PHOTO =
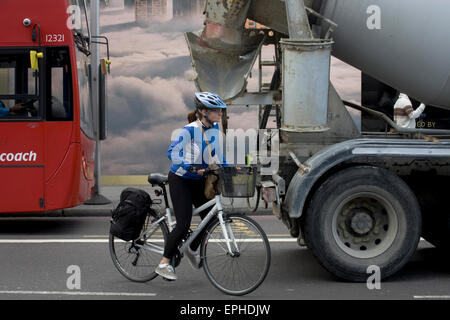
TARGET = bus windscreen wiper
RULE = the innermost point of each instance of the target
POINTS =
(82, 43)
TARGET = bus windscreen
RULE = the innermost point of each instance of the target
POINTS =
(19, 86)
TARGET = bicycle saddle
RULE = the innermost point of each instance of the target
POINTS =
(157, 178)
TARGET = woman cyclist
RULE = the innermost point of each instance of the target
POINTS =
(196, 146)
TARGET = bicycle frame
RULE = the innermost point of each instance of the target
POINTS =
(216, 210)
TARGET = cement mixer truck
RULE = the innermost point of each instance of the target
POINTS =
(357, 195)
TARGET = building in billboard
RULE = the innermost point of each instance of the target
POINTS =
(183, 8)
(160, 10)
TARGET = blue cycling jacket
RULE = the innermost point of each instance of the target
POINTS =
(190, 149)
(3, 110)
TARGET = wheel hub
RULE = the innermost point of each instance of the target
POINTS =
(361, 222)
(365, 225)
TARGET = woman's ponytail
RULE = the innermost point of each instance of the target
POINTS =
(192, 116)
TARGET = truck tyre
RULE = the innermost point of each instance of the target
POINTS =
(363, 216)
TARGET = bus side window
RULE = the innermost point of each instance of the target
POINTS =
(59, 97)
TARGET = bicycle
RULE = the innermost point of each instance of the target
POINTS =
(235, 252)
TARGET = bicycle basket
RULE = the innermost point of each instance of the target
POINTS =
(238, 183)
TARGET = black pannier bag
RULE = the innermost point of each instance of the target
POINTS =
(128, 217)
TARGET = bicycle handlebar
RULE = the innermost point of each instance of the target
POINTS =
(194, 169)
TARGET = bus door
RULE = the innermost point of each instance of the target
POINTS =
(34, 140)
(60, 151)
(22, 157)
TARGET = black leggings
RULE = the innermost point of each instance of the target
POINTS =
(184, 193)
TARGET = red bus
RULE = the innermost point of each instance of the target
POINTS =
(47, 147)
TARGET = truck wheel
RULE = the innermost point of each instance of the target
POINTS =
(363, 216)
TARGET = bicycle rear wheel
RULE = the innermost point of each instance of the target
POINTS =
(136, 260)
(243, 271)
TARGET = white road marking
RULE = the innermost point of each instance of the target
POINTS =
(20, 241)
(432, 297)
(34, 241)
(91, 240)
(80, 293)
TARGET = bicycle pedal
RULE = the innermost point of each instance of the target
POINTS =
(168, 280)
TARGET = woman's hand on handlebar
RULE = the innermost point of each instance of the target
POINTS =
(197, 170)
(202, 171)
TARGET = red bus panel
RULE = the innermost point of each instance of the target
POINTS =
(46, 152)
(22, 167)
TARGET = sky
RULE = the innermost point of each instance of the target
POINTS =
(150, 90)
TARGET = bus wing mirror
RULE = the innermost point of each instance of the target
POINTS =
(34, 56)
(104, 66)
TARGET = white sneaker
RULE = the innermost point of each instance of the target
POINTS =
(194, 258)
(166, 271)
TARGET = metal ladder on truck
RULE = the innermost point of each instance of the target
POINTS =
(267, 111)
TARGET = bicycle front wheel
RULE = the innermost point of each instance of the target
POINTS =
(136, 260)
(243, 269)
(253, 206)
